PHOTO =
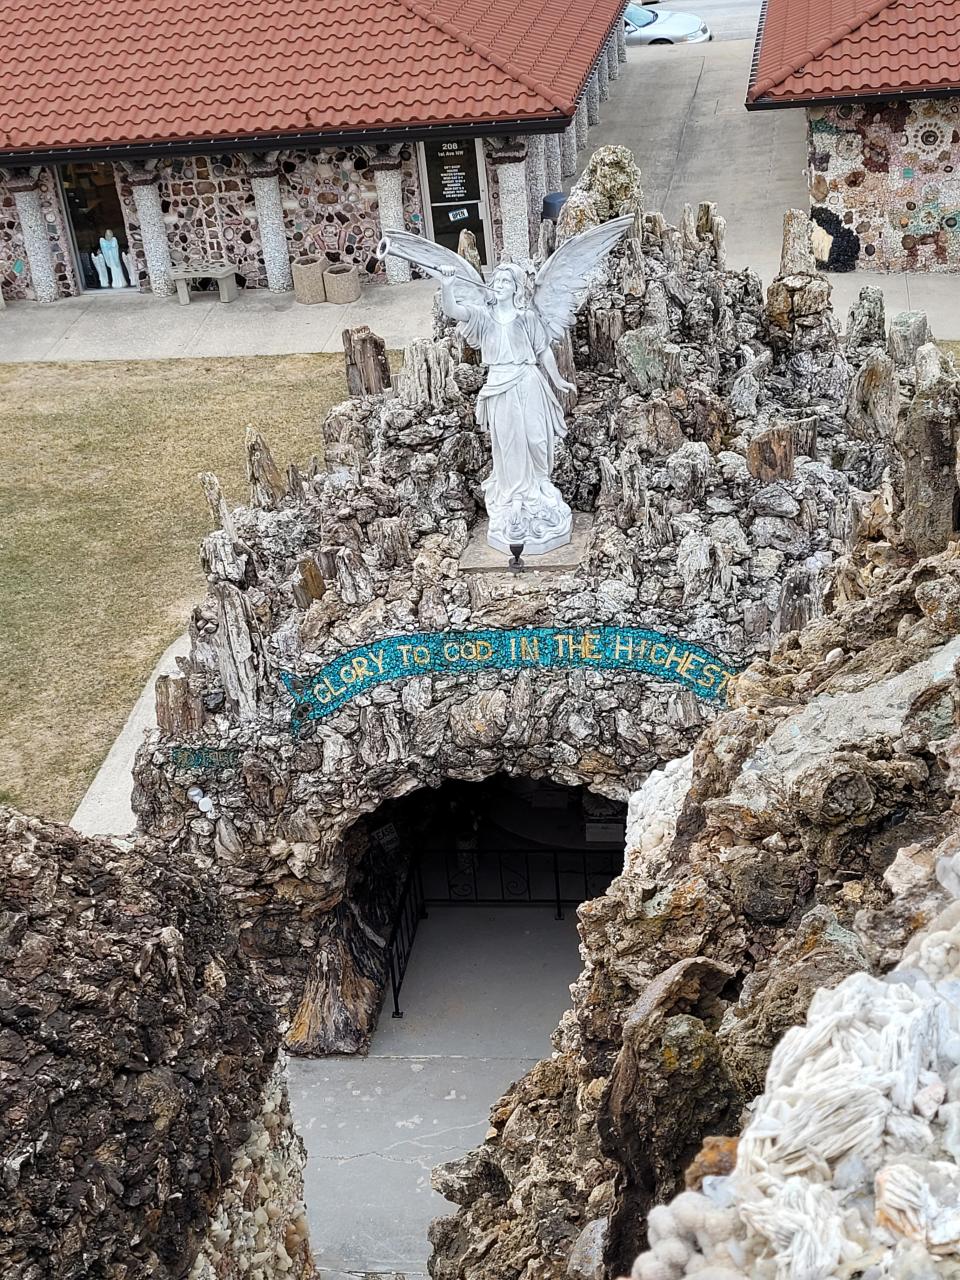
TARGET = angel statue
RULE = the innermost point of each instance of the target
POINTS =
(518, 403)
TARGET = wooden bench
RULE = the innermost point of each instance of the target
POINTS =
(222, 272)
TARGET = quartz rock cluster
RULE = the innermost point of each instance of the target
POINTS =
(713, 451)
(849, 1164)
(144, 1131)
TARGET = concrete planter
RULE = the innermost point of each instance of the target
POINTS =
(342, 283)
(308, 285)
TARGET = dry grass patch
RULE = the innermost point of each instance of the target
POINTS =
(100, 520)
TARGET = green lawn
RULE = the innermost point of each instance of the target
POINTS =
(100, 521)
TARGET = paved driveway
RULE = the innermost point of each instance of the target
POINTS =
(680, 111)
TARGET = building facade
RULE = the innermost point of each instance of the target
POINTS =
(880, 93)
(885, 184)
(155, 208)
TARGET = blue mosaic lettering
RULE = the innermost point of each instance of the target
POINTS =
(322, 692)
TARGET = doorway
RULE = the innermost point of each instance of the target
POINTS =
(506, 842)
(453, 177)
(94, 210)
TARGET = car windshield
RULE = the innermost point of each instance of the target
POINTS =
(639, 17)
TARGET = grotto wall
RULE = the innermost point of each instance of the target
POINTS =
(848, 1161)
(722, 450)
(759, 872)
(144, 1121)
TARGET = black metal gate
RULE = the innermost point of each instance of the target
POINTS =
(468, 877)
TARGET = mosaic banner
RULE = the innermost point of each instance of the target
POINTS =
(546, 648)
(211, 758)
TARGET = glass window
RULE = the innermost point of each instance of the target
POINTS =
(637, 16)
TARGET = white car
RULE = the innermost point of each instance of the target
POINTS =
(663, 26)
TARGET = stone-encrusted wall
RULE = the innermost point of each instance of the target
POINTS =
(131, 223)
(260, 1224)
(885, 184)
(143, 1115)
(210, 214)
(330, 202)
(693, 534)
(14, 284)
(56, 219)
(495, 223)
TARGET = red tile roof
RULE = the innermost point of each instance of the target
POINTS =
(824, 50)
(81, 73)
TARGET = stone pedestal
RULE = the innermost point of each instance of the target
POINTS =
(153, 231)
(273, 235)
(480, 557)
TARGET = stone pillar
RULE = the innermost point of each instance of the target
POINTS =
(621, 42)
(613, 62)
(387, 169)
(551, 158)
(153, 230)
(582, 124)
(593, 99)
(568, 151)
(25, 189)
(265, 183)
(536, 180)
(603, 79)
(510, 161)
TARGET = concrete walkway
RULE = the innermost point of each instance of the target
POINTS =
(126, 325)
(105, 810)
(484, 990)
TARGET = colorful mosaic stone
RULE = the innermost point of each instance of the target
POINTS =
(884, 184)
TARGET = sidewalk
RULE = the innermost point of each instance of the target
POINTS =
(132, 326)
(484, 991)
(105, 809)
(125, 325)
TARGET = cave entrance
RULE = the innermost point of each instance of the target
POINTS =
(486, 982)
(512, 842)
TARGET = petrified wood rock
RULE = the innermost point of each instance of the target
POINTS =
(135, 1048)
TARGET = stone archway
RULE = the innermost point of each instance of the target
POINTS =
(283, 817)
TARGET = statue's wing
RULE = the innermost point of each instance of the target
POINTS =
(566, 274)
(468, 286)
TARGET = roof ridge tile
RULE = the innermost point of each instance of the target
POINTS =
(476, 46)
(761, 87)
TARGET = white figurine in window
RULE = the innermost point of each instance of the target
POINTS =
(110, 248)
